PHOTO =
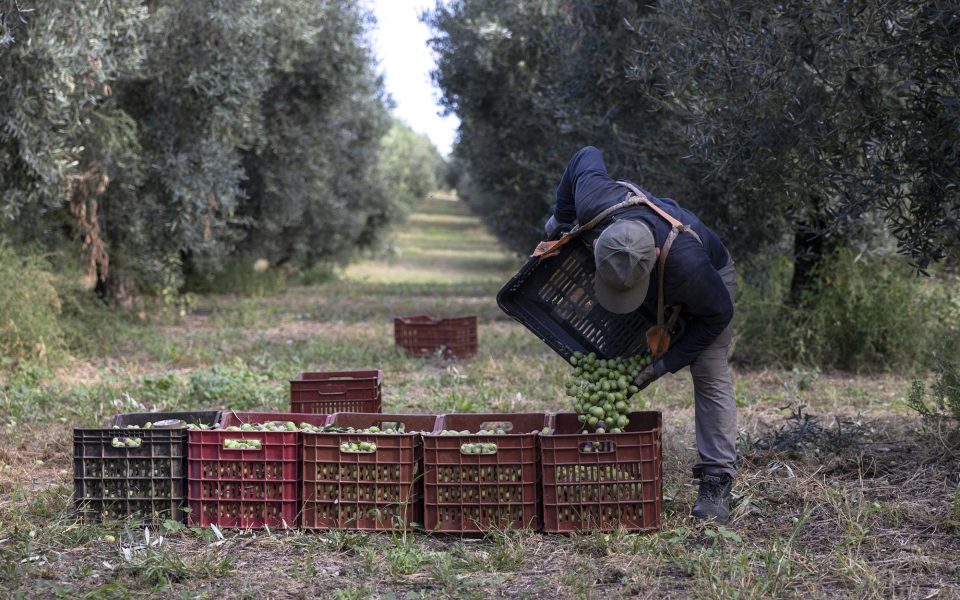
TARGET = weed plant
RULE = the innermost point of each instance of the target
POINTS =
(29, 309)
(941, 400)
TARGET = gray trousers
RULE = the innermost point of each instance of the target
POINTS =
(714, 403)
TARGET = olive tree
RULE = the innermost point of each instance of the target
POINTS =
(64, 138)
(160, 137)
(410, 165)
(312, 190)
(819, 120)
(534, 81)
(197, 106)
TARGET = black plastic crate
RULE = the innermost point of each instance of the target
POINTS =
(554, 299)
(147, 481)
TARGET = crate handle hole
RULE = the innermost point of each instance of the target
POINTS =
(337, 389)
(241, 444)
(479, 448)
(355, 448)
(126, 442)
(495, 425)
(597, 447)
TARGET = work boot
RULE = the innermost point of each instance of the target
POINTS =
(713, 501)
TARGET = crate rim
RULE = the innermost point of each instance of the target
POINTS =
(425, 319)
(657, 414)
(119, 417)
(341, 376)
(279, 417)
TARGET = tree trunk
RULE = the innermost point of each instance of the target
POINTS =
(811, 248)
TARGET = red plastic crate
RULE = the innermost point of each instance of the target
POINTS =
(374, 491)
(469, 493)
(422, 335)
(602, 481)
(338, 391)
(246, 488)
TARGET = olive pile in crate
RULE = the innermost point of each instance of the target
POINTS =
(126, 442)
(166, 424)
(394, 429)
(545, 431)
(601, 516)
(358, 472)
(358, 447)
(485, 516)
(480, 474)
(252, 512)
(118, 489)
(598, 483)
(503, 483)
(242, 490)
(602, 389)
(389, 514)
(127, 508)
(367, 484)
(481, 432)
(242, 444)
(479, 448)
(288, 426)
(132, 468)
(359, 482)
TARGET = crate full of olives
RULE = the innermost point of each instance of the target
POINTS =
(137, 467)
(364, 472)
(481, 472)
(606, 480)
(244, 473)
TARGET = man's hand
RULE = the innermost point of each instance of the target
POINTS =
(554, 229)
(647, 376)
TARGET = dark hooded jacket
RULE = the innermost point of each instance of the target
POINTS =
(691, 279)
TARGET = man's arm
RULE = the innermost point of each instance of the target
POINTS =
(707, 307)
(586, 160)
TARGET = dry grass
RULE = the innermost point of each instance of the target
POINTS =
(856, 500)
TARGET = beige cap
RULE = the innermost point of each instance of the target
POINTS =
(625, 254)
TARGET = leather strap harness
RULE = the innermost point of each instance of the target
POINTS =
(658, 337)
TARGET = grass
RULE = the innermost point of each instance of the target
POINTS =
(842, 492)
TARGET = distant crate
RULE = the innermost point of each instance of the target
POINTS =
(422, 335)
(469, 493)
(112, 480)
(336, 391)
(380, 489)
(602, 481)
(246, 488)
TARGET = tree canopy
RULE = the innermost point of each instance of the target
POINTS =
(826, 113)
(159, 137)
(797, 125)
(531, 83)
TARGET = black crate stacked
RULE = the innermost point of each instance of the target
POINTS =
(554, 298)
(147, 481)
